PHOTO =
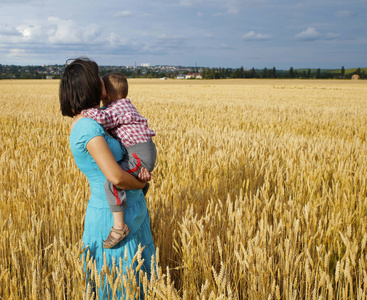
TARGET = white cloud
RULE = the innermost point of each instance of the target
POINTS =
(6, 29)
(123, 14)
(31, 33)
(225, 7)
(251, 35)
(161, 44)
(309, 34)
(188, 3)
(343, 14)
(63, 32)
(332, 36)
(170, 41)
(25, 25)
(16, 52)
(68, 32)
(232, 7)
(52, 31)
(116, 40)
(20, 1)
(22, 34)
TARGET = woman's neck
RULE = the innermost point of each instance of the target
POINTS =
(76, 119)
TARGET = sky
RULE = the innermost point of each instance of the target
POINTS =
(207, 33)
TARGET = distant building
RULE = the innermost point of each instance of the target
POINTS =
(147, 65)
(49, 77)
(355, 77)
(180, 76)
(193, 75)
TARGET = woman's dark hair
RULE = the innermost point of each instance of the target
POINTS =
(80, 86)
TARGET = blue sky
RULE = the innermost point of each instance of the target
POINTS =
(210, 33)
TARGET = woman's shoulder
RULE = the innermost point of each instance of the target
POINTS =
(87, 124)
(84, 130)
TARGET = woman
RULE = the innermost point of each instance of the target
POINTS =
(96, 155)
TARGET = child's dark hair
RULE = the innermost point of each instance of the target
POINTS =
(116, 85)
(80, 86)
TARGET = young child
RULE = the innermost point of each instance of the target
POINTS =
(123, 121)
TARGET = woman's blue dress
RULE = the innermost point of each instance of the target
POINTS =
(98, 218)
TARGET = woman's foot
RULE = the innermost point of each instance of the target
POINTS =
(115, 236)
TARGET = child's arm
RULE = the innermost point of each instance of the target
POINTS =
(109, 118)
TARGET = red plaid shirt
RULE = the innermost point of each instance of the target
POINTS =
(123, 121)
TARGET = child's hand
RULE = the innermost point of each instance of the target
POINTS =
(144, 175)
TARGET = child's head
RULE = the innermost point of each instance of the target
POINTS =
(116, 86)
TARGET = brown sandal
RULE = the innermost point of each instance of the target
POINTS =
(111, 241)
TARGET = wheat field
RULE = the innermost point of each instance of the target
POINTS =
(259, 192)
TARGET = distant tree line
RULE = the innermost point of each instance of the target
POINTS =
(140, 72)
(55, 71)
(28, 72)
(220, 73)
(43, 72)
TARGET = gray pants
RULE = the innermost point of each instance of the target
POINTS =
(136, 157)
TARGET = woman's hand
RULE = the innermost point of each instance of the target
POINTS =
(144, 175)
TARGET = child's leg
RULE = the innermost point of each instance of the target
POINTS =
(140, 155)
(116, 199)
(118, 219)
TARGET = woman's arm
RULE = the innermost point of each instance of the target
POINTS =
(101, 153)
